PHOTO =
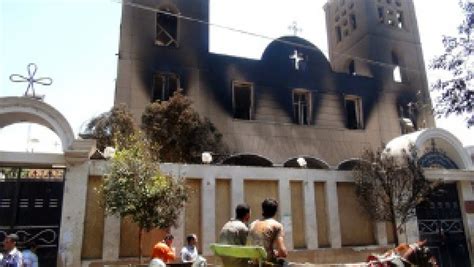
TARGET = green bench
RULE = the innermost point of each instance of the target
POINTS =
(242, 252)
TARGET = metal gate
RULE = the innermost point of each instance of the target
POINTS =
(30, 206)
(440, 222)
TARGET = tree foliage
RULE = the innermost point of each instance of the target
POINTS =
(457, 92)
(135, 187)
(177, 132)
(389, 188)
(111, 128)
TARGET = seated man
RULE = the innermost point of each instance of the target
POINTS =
(268, 233)
(234, 232)
(163, 250)
(189, 253)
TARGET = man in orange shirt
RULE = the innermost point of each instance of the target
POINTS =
(163, 250)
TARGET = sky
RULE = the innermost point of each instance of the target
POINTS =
(75, 43)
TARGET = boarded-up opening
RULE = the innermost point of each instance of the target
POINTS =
(389, 227)
(94, 221)
(255, 192)
(297, 214)
(129, 239)
(224, 211)
(356, 227)
(322, 215)
(193, 213)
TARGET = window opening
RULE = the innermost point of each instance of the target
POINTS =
(353, 106)
(352, 68)
(381, 14)
(399, 16)
(397, 76)
(164, 86)
(242, 100)
(338, 34)
(301, 107)
(166, 29)
(353, 21)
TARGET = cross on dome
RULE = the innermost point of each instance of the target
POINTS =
(294, 28)
(297, 58)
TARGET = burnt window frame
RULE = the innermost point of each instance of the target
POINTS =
(243, 84)
(358, 112)
(175, 40)
(163, 96)
(300, 119)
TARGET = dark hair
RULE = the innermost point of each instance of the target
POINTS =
(169, 237)
(269, 207)
(241, 210)
(191, 237)
(31, 245)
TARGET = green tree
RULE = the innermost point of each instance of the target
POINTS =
(111, 128)
(389, 188)
(457, 92)
(135, 187)
(177, 131)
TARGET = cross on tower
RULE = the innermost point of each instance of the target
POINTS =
(31, 80)
(294, 28)
(297, 58)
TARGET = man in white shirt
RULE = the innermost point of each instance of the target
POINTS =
(189, 253)
(12, 257)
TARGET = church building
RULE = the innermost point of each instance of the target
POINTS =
(294, 102)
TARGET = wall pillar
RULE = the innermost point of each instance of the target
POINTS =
(73, 215)
(333, 214)
(411, 233)
(381, 233)
(311, 225)
(111, 243)
(284, 192)
(178, 232)
(209, 219)
(237, 191)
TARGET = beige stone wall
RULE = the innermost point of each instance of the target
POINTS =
(321, 211)
(94, 221)
(297, 213)
(224, 211)
(356, 228)
(193, 210)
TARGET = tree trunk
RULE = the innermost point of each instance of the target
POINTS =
(395, 227)
(140, 231)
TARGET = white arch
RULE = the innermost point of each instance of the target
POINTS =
(456, 152)
(24, 109)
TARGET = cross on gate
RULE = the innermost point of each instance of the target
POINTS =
(31, 80)
(297, 58)
(294, 28)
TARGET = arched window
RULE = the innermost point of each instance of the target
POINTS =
(352, 70)
(397, 75)
(167, 27)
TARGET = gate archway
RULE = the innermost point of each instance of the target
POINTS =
(35, 202)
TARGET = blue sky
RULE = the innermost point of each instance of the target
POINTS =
(75, 42)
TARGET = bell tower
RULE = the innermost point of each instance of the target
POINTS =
(380, 39)
(161, 42)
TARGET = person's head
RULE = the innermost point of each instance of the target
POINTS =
(192, 239)
(31, 246)
(168, 239)
(9, 242)
(269, 207)
(242, 212)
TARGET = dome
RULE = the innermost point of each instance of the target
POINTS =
(280, 50)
